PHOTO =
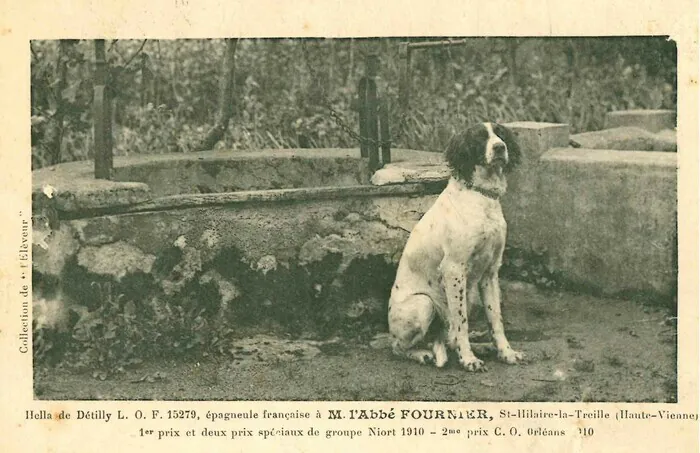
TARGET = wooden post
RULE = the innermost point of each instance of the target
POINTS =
(102, 118)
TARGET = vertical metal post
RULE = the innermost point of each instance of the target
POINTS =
(102, 118)
(368, 110)
(384, 131)
(372, 118)
(362, 114)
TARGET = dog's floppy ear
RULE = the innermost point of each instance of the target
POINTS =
(508, 137)
(464, 152)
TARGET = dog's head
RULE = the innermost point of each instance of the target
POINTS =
(489, 145)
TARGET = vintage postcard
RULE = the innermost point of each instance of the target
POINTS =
(314, 227)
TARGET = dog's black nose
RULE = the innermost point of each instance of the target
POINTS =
(499, 148)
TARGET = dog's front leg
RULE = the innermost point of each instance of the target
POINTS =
(491, 296)
(455, 283)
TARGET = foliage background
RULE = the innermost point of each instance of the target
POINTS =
(278, 104)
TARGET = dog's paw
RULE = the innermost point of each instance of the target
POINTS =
(426, 358)
(440, 353)
(510, 356)
(473, 364)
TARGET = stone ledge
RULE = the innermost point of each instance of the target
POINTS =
(410, 173)
(86, 194)
(651, 120)
(535, 138)
(259, 197)
(71, 187)
(607, 156)
(534, 125)
(627, 138)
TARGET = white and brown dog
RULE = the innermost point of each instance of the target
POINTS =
(453, 255)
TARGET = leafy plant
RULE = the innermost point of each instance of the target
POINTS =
(110, 338)
(120, 334)
(530, 266)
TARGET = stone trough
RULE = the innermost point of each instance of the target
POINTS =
(298, 238)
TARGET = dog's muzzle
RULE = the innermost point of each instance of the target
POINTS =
(500, 154)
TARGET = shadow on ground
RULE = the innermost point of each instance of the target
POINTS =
(579, 348)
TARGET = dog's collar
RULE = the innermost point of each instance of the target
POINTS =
(492, 194)
(469, 185)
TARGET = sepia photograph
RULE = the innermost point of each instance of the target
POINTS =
(438, 219)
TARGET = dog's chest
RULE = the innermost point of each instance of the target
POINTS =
(478, 216)
(490, 234)
(482, 229)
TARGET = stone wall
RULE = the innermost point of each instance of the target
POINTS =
(606, 219)
(306, 260)
(320, 258)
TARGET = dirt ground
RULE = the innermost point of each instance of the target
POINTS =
(579, 348)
